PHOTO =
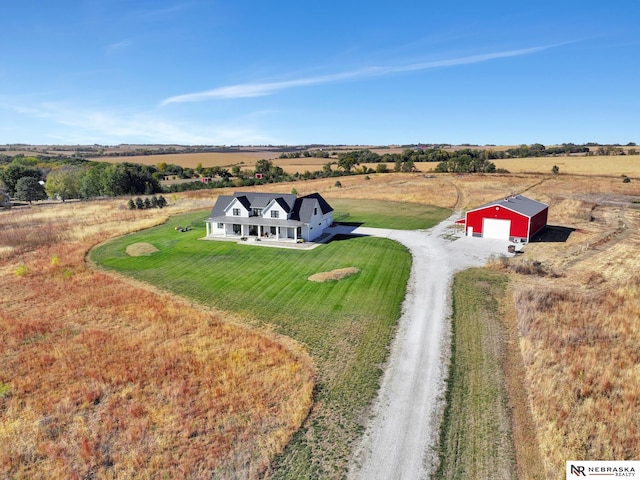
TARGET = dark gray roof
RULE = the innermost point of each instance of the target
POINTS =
(261, 200)
(301, 209)
(517, 203)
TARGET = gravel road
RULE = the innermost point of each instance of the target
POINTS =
(399, 439)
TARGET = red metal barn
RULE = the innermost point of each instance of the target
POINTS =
(515, 218)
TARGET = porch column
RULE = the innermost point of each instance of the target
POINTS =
(277, 233)
(208, 228)
(224, 230)
(295, 234)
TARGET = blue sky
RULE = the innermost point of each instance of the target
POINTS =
(222, 72)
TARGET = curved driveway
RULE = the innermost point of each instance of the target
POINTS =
(399, 439)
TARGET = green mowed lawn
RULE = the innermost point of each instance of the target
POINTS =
(383, 214)
(346, 325)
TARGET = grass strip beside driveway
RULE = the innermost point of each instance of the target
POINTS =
(475, 440)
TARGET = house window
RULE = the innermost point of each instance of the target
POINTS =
(221, 225)
(236, 212)
(275, 214)
(315, 211)
(256, 212)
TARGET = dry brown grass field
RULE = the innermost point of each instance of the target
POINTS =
(104, 378)
(592, 165)
(89, 379)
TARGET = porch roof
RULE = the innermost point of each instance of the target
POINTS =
(267, 222)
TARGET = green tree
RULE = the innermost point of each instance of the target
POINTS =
(29, 189)
(347, 163)
(63, 183)
(14, 172)
(161, 202)
(382, 168)
(139, 204)
(263, 166)
(131, 204)
(90, 182)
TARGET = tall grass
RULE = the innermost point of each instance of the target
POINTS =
(102, 378)
(581, 353)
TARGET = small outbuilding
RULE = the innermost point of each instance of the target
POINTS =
(515, 218)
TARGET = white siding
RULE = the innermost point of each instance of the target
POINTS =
(282, 215)
(236, 204)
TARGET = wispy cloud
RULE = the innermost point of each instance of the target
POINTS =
(117, 46)
(247, 90)
(70, 124)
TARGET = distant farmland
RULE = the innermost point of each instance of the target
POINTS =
(191, 160)
(592, 165)
(583, 165)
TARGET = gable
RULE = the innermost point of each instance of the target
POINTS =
(240, 203)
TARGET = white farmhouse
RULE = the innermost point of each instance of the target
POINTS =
(280, 217)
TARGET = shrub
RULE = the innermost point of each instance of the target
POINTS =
(5, 390)
(22, 270)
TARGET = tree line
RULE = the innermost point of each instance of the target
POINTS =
(40, 177)
(32, 178)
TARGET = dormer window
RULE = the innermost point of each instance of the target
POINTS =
(256, 212)
(275, 214)
(236, 212)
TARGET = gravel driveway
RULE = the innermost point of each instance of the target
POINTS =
(399, 439)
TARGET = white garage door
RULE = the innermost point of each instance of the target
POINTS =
(494, 228)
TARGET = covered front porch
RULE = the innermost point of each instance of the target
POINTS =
(255, 231)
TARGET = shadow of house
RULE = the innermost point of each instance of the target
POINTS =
(553, 234)
(343, 231)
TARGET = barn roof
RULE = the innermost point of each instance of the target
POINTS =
(517, 203)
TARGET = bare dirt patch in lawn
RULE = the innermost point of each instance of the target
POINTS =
(337, 274)
(141, 249)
